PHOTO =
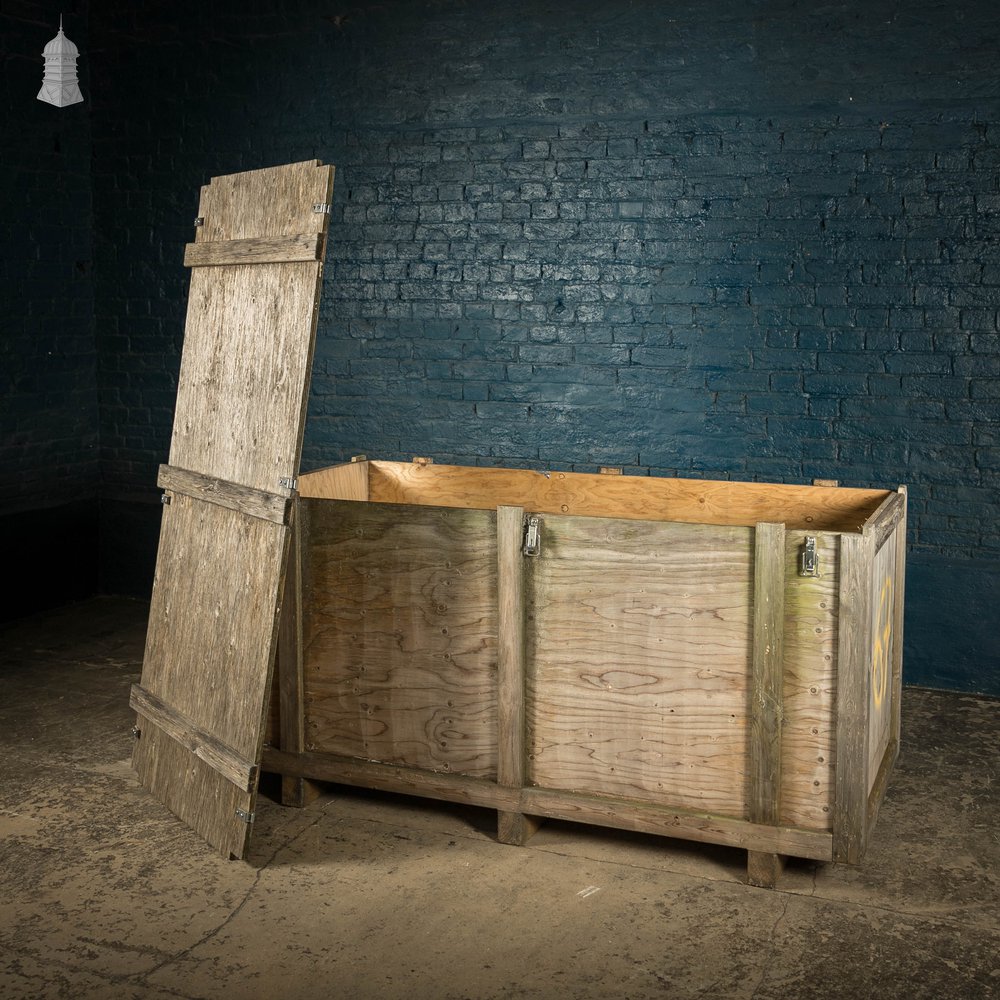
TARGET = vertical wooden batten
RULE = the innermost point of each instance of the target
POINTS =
(512, 827)
(766, 693)
(850, 824)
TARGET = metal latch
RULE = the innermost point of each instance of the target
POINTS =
(200, 221)
(532, 536)
(808, 562)
(289, 483)
(242, 814)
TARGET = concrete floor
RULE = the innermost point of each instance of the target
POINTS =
(104, 894)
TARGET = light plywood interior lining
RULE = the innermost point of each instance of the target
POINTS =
(694, 501)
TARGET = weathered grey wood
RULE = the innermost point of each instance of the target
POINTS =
(764, 869)
(643, 817)
(853, 686)
(512, 828)
(256, 503)
(230, 764)
(291, 710)
(249, 334)
(212, 633)
(883, 522)
(897, 621)
(276, 250)
(766, 694)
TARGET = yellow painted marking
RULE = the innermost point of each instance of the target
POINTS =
(882, 647)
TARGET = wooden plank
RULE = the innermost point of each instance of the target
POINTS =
(807, 508)
(851, 800)
(276, 250)
(643, 817)
(337, 482)
(764, 869)
(212, 634)
(810, 684)
(266, 203)
(766, 685)
(226, 761)
(400, 634)
(256, 503)
(883, 522)
(294, 791)
(899, 592)
(512, 827)
(639, 646)
(881, 656)
(250, 331)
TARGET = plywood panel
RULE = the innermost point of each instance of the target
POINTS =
(639, 645)
(400, 634)
(237, 433)
(337, 482)
(810, 685)
(694, 501)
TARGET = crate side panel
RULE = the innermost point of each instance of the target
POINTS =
(400, 634)
(880, 707)
(639, 639)
(810, 686)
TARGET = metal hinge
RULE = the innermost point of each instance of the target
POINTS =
(289, 483)
(242, 814)
(532, 535)
(808, 561)
(322, 208)
(200, 221)
(165, 499)
(136, 732)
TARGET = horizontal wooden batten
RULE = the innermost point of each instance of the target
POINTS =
(203, 745)
(617, 813)
(245, 499)
(271, 250)
(883, 522)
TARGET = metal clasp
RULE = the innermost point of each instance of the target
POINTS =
(808, 561)
(532, 535)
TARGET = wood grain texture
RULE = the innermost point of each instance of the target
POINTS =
(256, 503)
(212, 627)
(766, 684)
(276, 250)
(644, 817)
(898, 618)
(639, 645)
(240, 409)
(400, 634)
(810, 508)
(510, 646)
(809, 685)
(203, 745)
(264, 204)
(853, 674)
(243, 375)
(881, 657)
(336, 482)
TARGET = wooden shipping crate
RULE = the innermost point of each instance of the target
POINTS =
(713, 661)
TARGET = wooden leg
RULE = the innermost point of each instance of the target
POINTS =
(298, 792)
(763, 869)
(516, 828)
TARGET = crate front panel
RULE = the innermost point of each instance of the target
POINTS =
(639, 639)
(400, 634)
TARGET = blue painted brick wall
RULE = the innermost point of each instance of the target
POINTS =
(699, 239)
(48, 384)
